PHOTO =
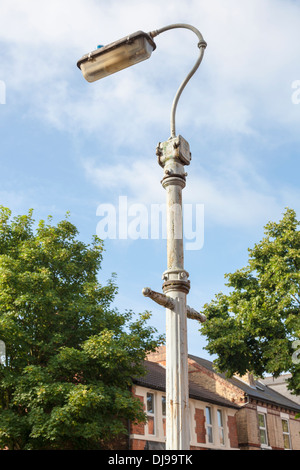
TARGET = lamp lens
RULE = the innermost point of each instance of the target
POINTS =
(112, 61)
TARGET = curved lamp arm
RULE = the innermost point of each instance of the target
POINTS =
(202, 45)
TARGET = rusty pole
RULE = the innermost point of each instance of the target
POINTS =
(173, 155)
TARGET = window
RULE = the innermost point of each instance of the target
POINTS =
(221, 427)
(262, 429)
(163, 412)
(209, 427)
(163, 405)
(150, 413)
(286, 434)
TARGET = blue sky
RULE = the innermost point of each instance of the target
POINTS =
(67, 145)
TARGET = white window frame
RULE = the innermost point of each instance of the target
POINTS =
(285, 417)
(151, 414)
(221, 430)
(159, 435)
(209, 425)
(263, 412)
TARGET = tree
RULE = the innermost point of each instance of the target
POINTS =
(69, 357)
(256, 327)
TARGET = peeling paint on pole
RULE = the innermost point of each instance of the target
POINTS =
(173, 155)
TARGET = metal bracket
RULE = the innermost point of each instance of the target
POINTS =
(176, 279)
(191, 313)
(170, 303)
(160, 299)
(175, 148)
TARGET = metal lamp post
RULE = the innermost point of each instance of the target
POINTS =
(172, 156)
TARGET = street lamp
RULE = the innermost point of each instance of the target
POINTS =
(172, 156)
(116, 56)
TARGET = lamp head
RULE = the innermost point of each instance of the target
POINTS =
(116, 56)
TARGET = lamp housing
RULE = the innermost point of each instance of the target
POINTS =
(116, 56)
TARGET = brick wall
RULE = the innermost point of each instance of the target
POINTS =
(274, 428)
(204, 377)
(158, 356)
(295, 433)
(247, 428)
(137, 444)
(232, 432)
(200, 426)
(213, 382)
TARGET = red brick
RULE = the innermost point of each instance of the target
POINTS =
(200, 426)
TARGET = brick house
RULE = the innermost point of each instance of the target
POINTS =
(227, 414)
(266, 419)
(203, 402)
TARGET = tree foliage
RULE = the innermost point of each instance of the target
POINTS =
(256, 327)
(70, 358)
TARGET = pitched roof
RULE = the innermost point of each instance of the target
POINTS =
(259, 391)
(155, 378)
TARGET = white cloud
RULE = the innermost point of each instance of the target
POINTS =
(233, 203)
(138, 180)
(249, 65)
(243, 88)
(234, 195)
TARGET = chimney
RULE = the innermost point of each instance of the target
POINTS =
(159, 355)
(248, 378)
